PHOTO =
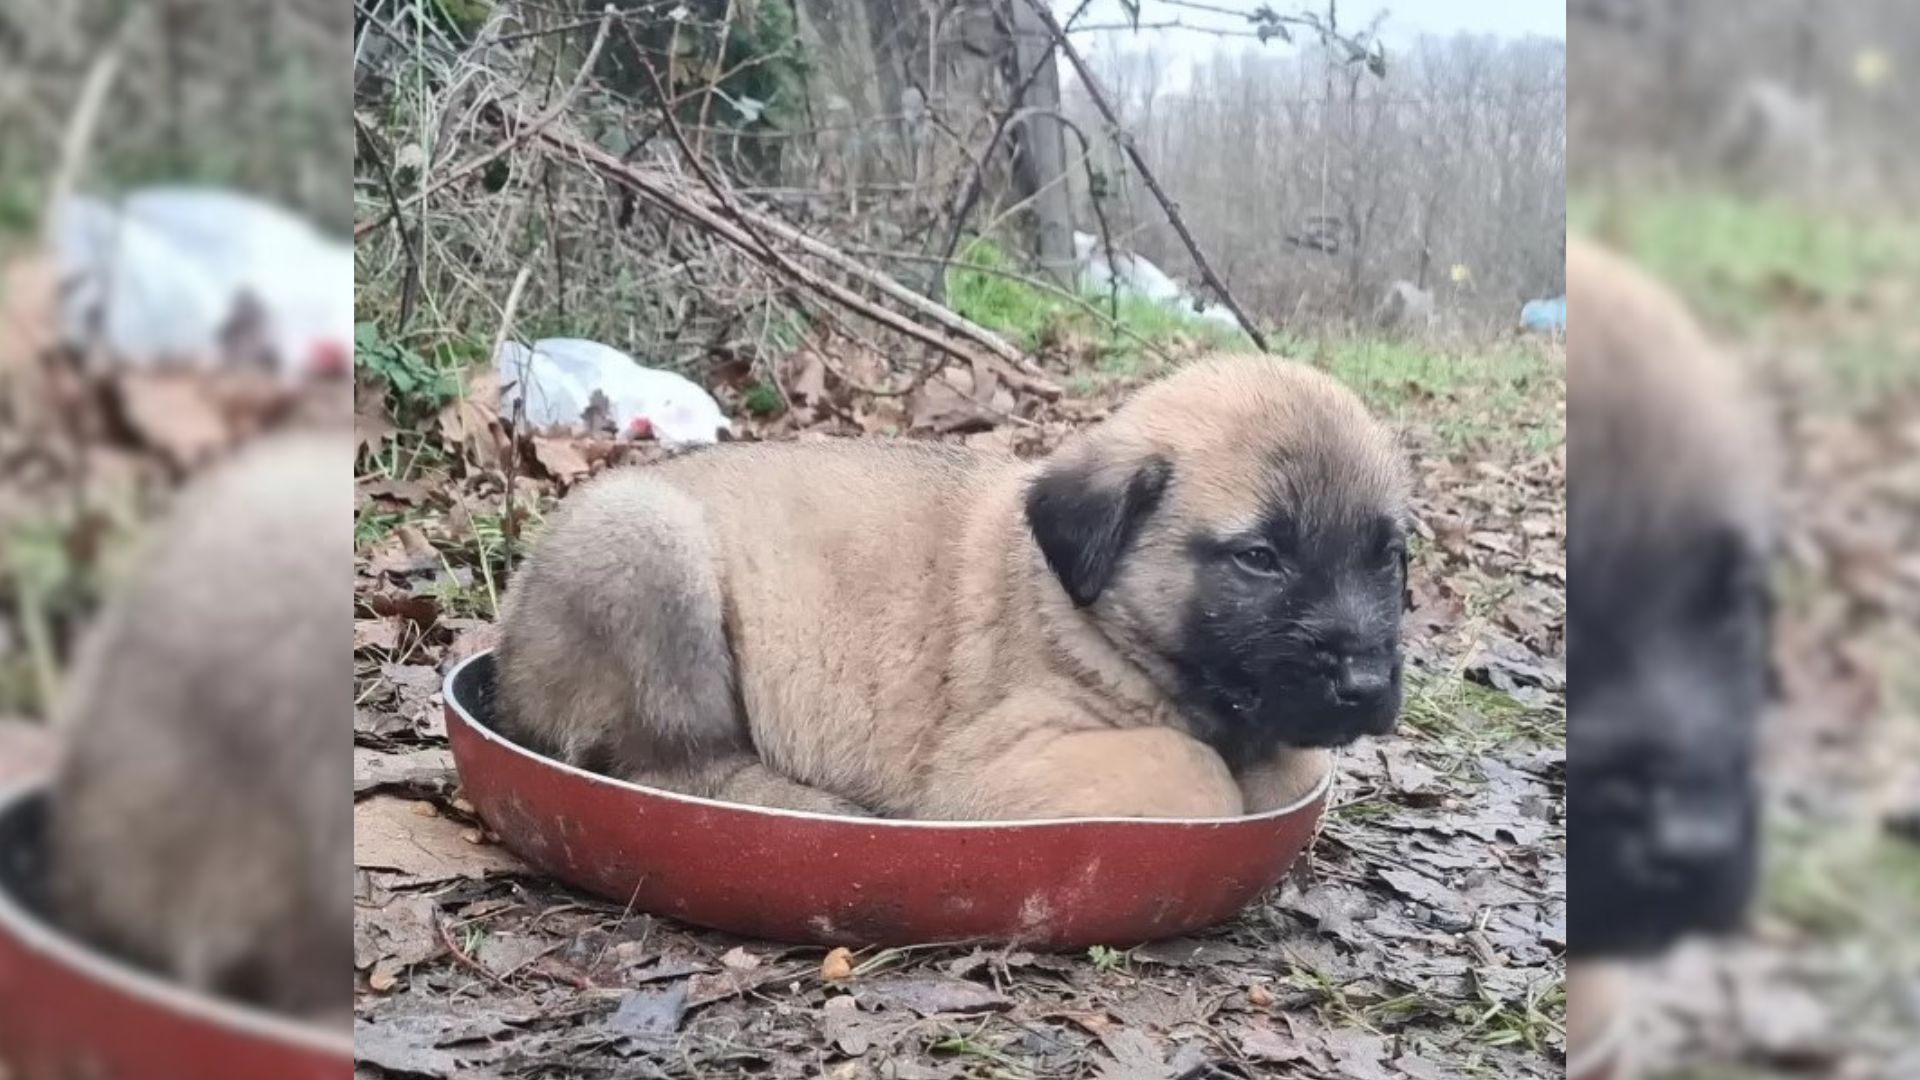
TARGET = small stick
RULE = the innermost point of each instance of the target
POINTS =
(521, 135)
(508, 527)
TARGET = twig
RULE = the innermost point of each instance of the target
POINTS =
(976, 183)
(671, 197)
(1126, 142)
(513, 140)
(80, 127)
(508, 527)
(460, 955)
(409, 241)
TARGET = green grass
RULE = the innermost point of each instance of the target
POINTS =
(1843, 881)
(1739, 258)
(1498, 394)
(1469, 719)
(1029, 315)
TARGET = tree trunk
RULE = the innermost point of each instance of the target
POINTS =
(1040, 162)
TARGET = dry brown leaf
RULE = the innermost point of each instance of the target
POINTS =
(388, 835)
(739, 959)
(957, 400)
(29, 326)
(408, 492)
(371, 424)
(808, 385)
(174, 414)
(562, 458)
(473, 420)
(382, 633)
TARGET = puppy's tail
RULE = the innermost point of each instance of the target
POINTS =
(613, 652)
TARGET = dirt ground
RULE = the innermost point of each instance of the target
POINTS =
(1419, 937)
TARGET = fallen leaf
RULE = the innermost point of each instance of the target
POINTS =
(1135, 1056)
(381, 635)
(401, 930)
(561, 458)
(739, 959)
(438, 1045)
(650, 1015)
(505, 954)
(172, 413)
(29, 315)
(372, 426)
(930, 995)
(388, 835)
(1262, 1042)
(418, 770)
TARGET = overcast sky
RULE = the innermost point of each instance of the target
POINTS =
(1406, 19)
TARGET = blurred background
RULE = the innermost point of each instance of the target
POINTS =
(1759, 157)
(174, 265)
(99, 98)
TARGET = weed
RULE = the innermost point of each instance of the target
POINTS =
(762, 399)
(981, 289)
(417, 386)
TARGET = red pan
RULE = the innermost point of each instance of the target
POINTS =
(822, 879)
(68, 1011)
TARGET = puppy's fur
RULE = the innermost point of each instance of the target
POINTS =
(201, 820)
(1172, 616)
(1670, 529)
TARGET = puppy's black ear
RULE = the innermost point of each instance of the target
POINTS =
(1084, 524)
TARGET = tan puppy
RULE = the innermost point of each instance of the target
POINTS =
(1670, 529)
(1171, 616)
(201, 818)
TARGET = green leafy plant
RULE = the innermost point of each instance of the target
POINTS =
(417, 386)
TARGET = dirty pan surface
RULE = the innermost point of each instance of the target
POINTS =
(818, 879)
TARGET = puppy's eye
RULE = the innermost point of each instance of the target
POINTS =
(1257, 559)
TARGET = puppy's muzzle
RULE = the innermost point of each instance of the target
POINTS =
(1363, 681)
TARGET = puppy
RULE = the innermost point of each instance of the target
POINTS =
(1174, 615)
(201, 819)
(1670, 529)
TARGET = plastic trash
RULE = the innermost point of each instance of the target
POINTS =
(162, 273)
(1134, 274)
(561, 374)
(1545, 316)
(130, 288)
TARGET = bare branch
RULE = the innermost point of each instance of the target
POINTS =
(1140, 164)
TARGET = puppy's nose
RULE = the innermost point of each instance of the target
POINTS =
(1363, 680)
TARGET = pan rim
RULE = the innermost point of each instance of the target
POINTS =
(453, 703)
(42, 938)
